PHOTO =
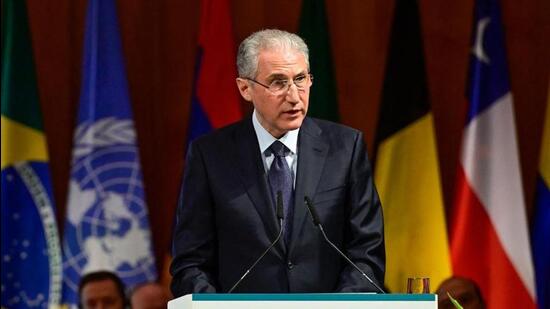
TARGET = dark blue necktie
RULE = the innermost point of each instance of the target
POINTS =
(280, 179)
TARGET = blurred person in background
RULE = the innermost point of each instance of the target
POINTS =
(150, 295)
(464, 290)
(101, 290)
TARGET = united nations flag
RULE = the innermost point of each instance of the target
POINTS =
(31, 256)
(107, 225)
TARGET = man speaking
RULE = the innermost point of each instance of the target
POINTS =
(244, 188)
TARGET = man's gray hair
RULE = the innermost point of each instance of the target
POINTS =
(269, 39)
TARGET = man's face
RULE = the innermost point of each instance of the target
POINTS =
(281, 112)
(101, 295)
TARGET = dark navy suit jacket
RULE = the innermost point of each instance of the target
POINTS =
(226, 217)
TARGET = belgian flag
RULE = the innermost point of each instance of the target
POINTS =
(406, 170)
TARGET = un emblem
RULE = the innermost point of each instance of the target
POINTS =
(107, 226)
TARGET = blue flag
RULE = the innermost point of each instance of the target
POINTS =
(31, 253)
(107, 225)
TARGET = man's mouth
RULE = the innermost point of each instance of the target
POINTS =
(293, 112)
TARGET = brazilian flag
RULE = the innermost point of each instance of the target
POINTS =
(314, 30)
(406, 170)
(31, 256)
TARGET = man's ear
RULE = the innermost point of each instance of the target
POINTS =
(244, 88)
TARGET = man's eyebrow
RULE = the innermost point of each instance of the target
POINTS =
(283, 76)
(277, 76)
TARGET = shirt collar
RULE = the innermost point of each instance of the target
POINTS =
(265, 139)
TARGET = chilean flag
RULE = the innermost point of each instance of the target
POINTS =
(489, 235)
(215, 101)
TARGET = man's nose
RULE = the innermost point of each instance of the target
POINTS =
(292, 94)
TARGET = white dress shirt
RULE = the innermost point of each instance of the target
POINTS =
(265, 139)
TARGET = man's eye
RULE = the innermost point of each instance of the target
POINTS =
(279, 83)
(300, 79)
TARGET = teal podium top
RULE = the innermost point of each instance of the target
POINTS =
(305, 301)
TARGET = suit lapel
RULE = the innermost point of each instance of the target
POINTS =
(312, 152)
(253, 176)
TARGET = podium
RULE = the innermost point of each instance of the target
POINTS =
(305, 301)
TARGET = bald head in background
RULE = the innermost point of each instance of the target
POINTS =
(149, 296)
(464, 290)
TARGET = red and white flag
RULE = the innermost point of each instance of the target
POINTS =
(489, 234)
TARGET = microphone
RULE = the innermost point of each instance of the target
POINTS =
(317, 222)
(280, 216)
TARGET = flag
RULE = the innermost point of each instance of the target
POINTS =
(489, 235)
(215, 99)
(314, 30)
(406, 170)
(106, 226)
(541, 225)
(31, 252)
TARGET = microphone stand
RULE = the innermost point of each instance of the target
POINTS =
(280, 216)
(317, 222)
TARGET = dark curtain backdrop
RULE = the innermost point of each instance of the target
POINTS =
(159, 40)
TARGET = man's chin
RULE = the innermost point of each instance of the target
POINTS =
(294, 124)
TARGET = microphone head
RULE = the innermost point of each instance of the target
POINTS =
(279, 206)
(312, 211)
